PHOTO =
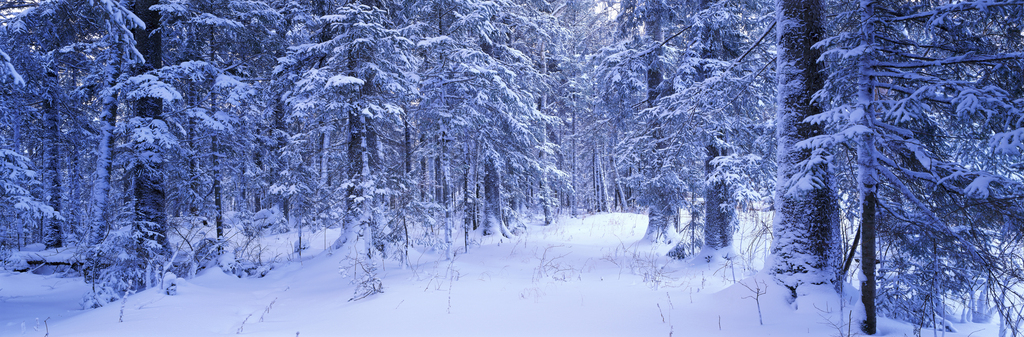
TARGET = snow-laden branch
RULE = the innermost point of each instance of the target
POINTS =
(7, 70)
(967, 58)
(958, 7)
(934, 221)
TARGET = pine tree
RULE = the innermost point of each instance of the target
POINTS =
(806, 246)
(471, 94)
(914, 185)
(16, 175)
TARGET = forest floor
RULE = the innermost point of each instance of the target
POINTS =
(587, 276)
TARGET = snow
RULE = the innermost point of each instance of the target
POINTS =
(920, 154)
(212, 20)
(148, 85)
(7, 70)
(587, 276)
(979, 187)
(37, 253)
(27, 300)
(1009, 143)
(238, 91)
(343, 80)
(432, 41)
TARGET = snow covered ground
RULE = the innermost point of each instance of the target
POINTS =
(588, 276)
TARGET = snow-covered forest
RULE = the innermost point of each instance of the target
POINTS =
(819, 167)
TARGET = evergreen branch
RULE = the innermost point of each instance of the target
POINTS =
(969, 58)
(959, 7)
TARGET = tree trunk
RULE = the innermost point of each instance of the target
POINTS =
(659, 219)
(653, 27)
(867, 286)
(446, 196)
(360, 230)
(215, 149)
(806, 246)
(424, 177)
(660, 213)
(372, 170)
(407, 147)
(469, 202)
(53, 232)
(407, 177)
(217, 197)
(101, 185)
(150, 220)
(492, 188)
(543, 190)
(867, 163)
(354, 196)
(573, 207)
(478, 192)
(601, 194)
(467, 206)
(545, 200)
(439, 183)
(719, 213)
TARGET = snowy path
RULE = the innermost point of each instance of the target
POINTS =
(578, 277)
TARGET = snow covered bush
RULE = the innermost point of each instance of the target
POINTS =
(126, 261)
(11, 261)
(169, 284)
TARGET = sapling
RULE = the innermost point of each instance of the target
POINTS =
(267, 310)
(646, 265)
(170, 284)
(449, 310)
(124, 301)
(240, 327)
(757, 297)
(370, 283)
(660, 312)
(845, 325)
(550, 266)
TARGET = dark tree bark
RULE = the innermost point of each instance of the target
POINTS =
(867, 162)
(807, 217)
(600, 192)
(356, 148)
(53, 231)
(659, 222)
(573, 207)
(373, 165)
(653, 26)
(150, 219)
(867, 286)
(149, 43)
(492, 207)
(469, 202)
(280, 136)
(407, 147)
(661, 207)
(424, 178)
(719, 214)
(439, 182)
(467, 206)
(101, 186)
(217, 197)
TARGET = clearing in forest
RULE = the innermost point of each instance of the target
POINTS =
(588, 276)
